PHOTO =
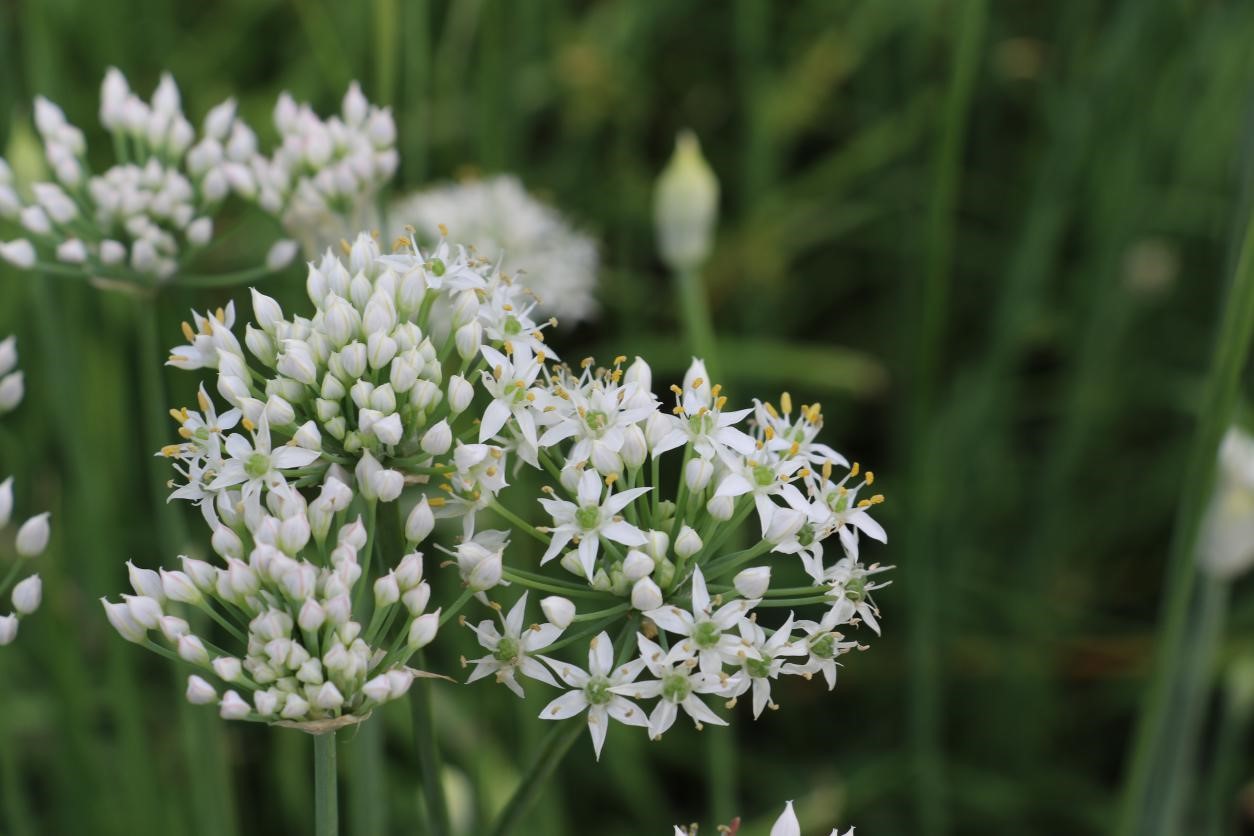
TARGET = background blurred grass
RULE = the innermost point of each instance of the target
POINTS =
(991, 238)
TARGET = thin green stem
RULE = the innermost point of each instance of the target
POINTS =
(694, 309)
(429, 760)
(1150, 803)
(513, 518)
(554, 747)
(326, 779)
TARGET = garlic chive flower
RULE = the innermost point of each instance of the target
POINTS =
(593, 690)
(291, 650)
(139, 220)
(513, 649)
(502, 221)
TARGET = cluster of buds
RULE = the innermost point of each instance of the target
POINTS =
(288, 593)
(140, 219)
(32, 535)
(501, 221)
(378, 381)
(324, 176)
(634, 554)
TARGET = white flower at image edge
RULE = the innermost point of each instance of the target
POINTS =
(594, 691)
(787, 825)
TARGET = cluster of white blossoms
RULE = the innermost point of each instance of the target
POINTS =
(32, 535)
(140, 219)
(377, 382)
(785, 825)
(324, 175)
(601, 435)
(424, 370)
(502, 221)
(289, 594)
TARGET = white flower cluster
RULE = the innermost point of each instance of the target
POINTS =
(785, 825)
(32, 535)
(502, 221)
(325, 174)
(287, 594)
(361, 384)
(602, 434)
(140, 219)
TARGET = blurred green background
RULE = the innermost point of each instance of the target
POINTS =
(992, 238)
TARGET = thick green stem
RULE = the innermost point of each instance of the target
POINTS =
(326, 799)
(1150, 802)
(555, 746)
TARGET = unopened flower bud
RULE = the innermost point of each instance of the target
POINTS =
(8, 629)
(27, 595)
(635, 447)
(685, 206)
(387, 485)
(688, 542)
(721, 508)
(192, 649)
(6, 501)
(415, 600)
(419, 523)
(753, 583)
(460, 394)
(423, 630)
(280, 254)
(438, 439)
(387, 591)
(227, 543)
(311, 616)
(32, 537)
(200, 692)
(637, 565)
(558, 610)
(646, 595)
(468, 339)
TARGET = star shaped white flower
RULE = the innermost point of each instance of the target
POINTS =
(702, 421)
(507, 319)
(763, 478)
(759, 668)
(596, 411)
(590, 520)
(512, 386)
(823, 644)
(788, 438)
(256, 465)
(594, 691)
(676, 684)
(851, 591)
(707, 632)
(512, 650)
(838, 509)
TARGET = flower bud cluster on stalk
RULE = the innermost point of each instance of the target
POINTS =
(24, 592)
(291, 601)
(421, 377)
(141, 220)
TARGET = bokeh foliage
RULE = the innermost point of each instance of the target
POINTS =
(991, 238)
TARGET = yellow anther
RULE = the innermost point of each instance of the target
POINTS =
(676, 389)
(716, 390)
(507, 307)
(184, 432)
(770, 409)
(586, 362)
(188, 332)
(220, 315)
(721, 402)
(611, 479)
(794, 449)
(679, 410)
(443, 230)
(865, 503)
(446, 487)
(769, 432)
(827, 470)
(491, 471)
(619, 360)
(248, 425)
(877, 499)
(436, 501)
(345, 247)
(698, 382)
(803, 473)
(203, 400)
(177, 415)
(870, 477)
(785, 403)
(855, 470)
(816, 414)
(531, 396)
(518, 384)
(171, 450)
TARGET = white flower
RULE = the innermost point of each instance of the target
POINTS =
(787, 825)
(513, 649)
(1226, 548)
(510, 382)
(27, 595)
(676, 684)
(256, 465)
(595, 691)
(701, 420)
(851, 591)
(757, 669)
(591, 519)
(822, 644)
(707, 632)
(32, 537)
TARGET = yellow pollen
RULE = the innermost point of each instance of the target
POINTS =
(611, 479)
(676, 389)
(697, 383)
(679, 410)
(188, 332)
(770, 409)
(171, 450)
(184, 432)
(716, 389)
(827, 470)
(203, 400)
(619, 360)
(794, 449)
(785, 403)
(220, 315)
(248, 425)
(721, 402)
(443, 230)
(345, 247)
(877, 499)
(177, 414)
(586, 362)
(870, 478)
(855, 470)
(770, 434)
(507, 307)
(436, 501)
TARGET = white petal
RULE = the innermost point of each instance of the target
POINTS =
(567, 705)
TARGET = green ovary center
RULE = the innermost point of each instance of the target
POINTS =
(838, 501)
(824, 648)
(855, 589)
(763, 475)
(436, 266)
(512, 326)
(702, 424)
(676, 687)
(588, 518)
(597, 691)
(705, 634)
(758, 668)
(597, 421)
(806, 535)
(506, 650)
(257, 465)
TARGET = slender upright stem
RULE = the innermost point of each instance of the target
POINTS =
(429, 760)
(554, 747)
(326, 778)
(694, 308)
(1151, 804)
